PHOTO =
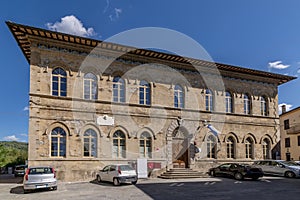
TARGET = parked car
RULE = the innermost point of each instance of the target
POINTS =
(117, 174)
(279, 168)
(20, 170)
(237, 171)
(39, 177)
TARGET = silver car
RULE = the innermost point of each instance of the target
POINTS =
(39, 177)
(279, 168)
(117, 174)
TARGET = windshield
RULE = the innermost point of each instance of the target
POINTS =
(125, 168)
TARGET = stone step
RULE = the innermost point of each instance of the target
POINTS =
(182, 173)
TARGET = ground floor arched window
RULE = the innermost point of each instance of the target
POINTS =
(119, 144)
(230, 144)
(266, 146)
(58, 142)
(145, 145)
(90, 143)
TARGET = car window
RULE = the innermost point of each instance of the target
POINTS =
(112, 168)
(42, 170)
(234, 166)
(20, 167)
(125, 168)
(106, 168)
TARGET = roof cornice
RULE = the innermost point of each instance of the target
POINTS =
(22, 32)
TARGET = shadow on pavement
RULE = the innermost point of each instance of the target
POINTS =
(17, 190)
(10, 178)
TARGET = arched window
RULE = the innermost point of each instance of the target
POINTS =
(247, 105)
(249, 147)
(266, 148)
(145, 93)
(90, 143)
(118, 89)
(209, 100)
(228, 103)
(263, 106)
(211, 146)
(145, 145)
(119, 144)
(59, 82)
(230, 142)
(90, 86)
(178, 97)
(58, 142)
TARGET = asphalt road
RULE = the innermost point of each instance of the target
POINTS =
(275, 188)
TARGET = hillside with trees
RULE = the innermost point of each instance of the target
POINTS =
(13, 153)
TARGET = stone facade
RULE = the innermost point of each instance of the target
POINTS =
(181, 127)
(290, 134)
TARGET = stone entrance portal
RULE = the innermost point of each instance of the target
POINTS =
(180, 148)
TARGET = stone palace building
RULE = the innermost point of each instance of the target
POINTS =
(93, 103)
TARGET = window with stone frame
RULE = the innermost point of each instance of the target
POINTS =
(145, 93)
(249, 147)
(228, 102)
(145, 145)
(209, 100)
(247, 104)
(263, 106)
(90, 86)
(286, 124)
(211, 144)
(230, 144)
(59, 82)
(266, 147)
(287, 142)
(178, 97)
(119, 144)
(58, 142)
(118, 90)
(90, 143)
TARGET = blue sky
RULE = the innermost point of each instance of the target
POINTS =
(257, 34)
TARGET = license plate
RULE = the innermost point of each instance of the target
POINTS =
(41, 186)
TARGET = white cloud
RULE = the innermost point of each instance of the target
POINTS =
(25, 108)
(11, 138)
(277, 65)
(116, 14)
(24, 134)
(287, 106)
(71, 25)
(298, 71)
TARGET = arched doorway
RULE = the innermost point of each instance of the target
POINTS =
(180, 148)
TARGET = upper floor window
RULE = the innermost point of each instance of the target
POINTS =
(119, 144)
(247, 104)
(228, 102)
(145, 93)
(230, 147)
(145, 145)
(209, 100)
(286, 124)
(58, 142)
(59, 82)
(118, 89)
(287, 142)
(298, 140)
(90, 86)
(263, 106)
(90, 143)
(178, 97)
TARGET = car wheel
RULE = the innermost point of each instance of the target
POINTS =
(213, 173)
(238, 176)
(134, 182)
(255, 178)
(54, 188)
(116, 182)
(289, 174)
(98, 179)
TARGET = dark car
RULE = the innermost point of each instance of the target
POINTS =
(237, 171)
(20, 170)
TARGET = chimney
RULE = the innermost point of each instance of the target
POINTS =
(283, 109)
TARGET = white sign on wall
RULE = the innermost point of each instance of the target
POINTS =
(142, 169)
(105, 121)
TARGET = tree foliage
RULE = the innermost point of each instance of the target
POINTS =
(13, 153)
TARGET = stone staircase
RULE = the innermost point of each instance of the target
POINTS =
(179, 173)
